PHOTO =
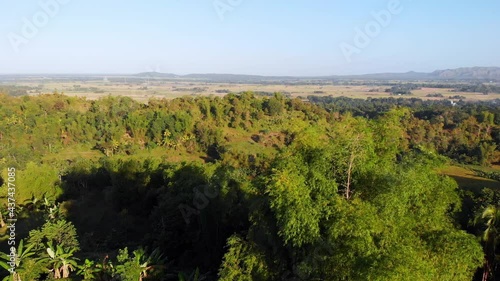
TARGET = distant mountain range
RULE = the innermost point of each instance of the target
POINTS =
(492, 73)
(464, 73)
(472, 74)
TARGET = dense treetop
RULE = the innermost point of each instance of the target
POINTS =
(245, 187)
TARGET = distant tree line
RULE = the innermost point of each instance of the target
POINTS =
(466, 131)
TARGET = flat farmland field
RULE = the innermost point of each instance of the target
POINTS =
(146, 89)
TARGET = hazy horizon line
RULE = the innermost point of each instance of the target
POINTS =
(242, 74)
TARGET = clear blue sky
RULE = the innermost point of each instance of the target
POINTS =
(268, 37)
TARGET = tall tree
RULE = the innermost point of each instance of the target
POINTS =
(490, 217)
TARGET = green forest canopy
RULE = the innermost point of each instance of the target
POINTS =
(246, 188)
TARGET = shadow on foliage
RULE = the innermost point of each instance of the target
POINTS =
(188, 211)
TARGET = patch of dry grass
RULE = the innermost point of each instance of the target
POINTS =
(143, 91)
(466, 179)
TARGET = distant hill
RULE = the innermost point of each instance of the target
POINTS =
(412, 75)
(481, 73)
(157, 75)
(464, 73)
(217, 77)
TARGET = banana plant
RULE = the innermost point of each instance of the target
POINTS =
(92, 270)
(490, 217)
(139, 266)
(37, 204)
(61, 261)
(89, 270)
(21, 254)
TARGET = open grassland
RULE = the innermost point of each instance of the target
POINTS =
(145, 89)
(467, 180)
